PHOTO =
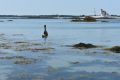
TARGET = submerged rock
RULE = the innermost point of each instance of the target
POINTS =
(1, 21)
(84, 46)
(5, 46)
(40, 49)
(1, 34)
(24, 61)
(7, 57)
(19, 59)
(104, 21)
(10, 20)
(20, 42)
(18, 34)
(115, 49)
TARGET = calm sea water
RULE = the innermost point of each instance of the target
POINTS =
(59, 63)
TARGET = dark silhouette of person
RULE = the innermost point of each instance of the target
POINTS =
(45, 34)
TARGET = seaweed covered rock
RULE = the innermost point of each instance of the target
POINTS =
(19, 59)
(84, 46)
(115, 49)
(89, 19)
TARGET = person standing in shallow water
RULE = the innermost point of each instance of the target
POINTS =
(45, 34)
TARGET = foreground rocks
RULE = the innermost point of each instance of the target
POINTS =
(84, 46)
(115, 49)
(22, 44)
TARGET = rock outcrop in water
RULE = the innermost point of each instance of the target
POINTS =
(115, 49)
(89, 19)
(86, 19)
(84, 46)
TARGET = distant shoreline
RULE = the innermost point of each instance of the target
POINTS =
(36, 16)
(50, 17)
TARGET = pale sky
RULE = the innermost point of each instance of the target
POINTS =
(44, 7)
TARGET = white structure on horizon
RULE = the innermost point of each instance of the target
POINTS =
(104, 13)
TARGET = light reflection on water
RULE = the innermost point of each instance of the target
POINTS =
(61, 59)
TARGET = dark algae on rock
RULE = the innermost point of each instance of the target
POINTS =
(115, 49)
(84, 46)
(89, 19)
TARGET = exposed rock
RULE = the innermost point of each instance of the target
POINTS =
(89, 19)
(115, 49)
(86, 19)
(84, 46)
(76, 62)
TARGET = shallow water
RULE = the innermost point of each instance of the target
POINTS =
(51, 59)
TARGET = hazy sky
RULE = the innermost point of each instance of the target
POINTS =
(39, 7)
